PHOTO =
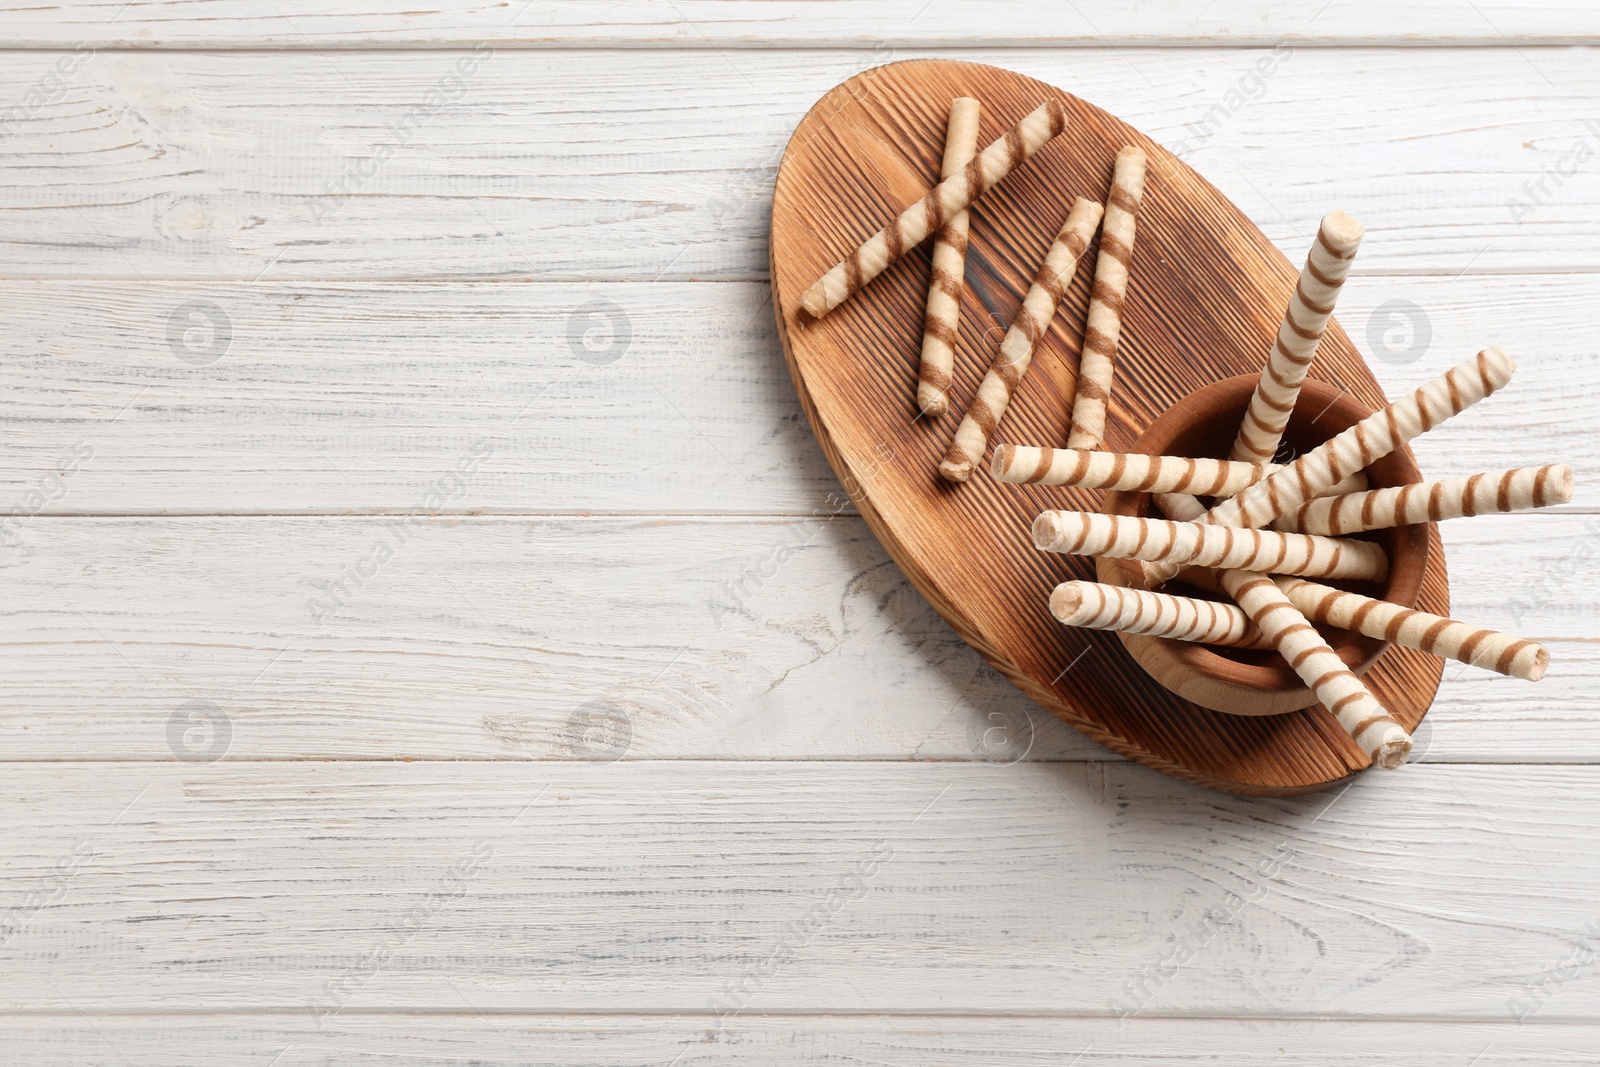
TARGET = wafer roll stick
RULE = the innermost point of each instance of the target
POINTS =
(1337, 687)
(1303, 322)
(1097, 366)
(1089, 533)
(943, 317)
(1185, 508)
(1436, 634)
(1130, 471)
(1361, 445)
(1135, 611)
(1368, 440)
(917, 222)
(1017, 348)
(1180, 507)
(1452, 498)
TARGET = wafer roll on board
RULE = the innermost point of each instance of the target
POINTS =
(1097, 366)
(1435, 634)
(1088, 533)
(917, 222)
(1016, 350)
(1360, 446)
(943, 316)
(1296, 344)
(1368, 722)
(1451, 498)
(1136, 611)
(1129, 471)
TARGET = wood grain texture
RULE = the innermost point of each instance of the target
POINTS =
(646, 887)
(464, 1038)
(494, 639)
(241, 165)
(734, 24)
(1204, 304)
(489, 639)
(1026, 888)
(365, 360)
(658, 398)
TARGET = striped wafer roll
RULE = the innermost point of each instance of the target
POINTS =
(1134, 611)
(1368, 440)
(1303, 322)
(1337, 687)
(943, 317)
(1361, 445)
(1016, 350)
(1130, 471)
(1097, 366)
(1184, 508)
(1452, 498)
(921, 219)
(1089, 533)
(1417, 629)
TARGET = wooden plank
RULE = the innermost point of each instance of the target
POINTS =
(654, 164)
(466, 1039)
(743, 23)
(603, 639)
(905, 887)
(618, 398)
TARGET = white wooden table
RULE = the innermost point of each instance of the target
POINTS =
(430, 638)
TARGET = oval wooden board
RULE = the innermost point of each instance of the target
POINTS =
(1205, 299)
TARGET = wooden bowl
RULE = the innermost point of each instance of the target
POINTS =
(1246, 681)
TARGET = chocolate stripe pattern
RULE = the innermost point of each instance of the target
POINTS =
(917, 222)
(1135, 611)
(1097, 366)
(1088, 533)
(1360, 446)
(943, 316)
(1296, 345)
(1368, 722)
(1434, 634)
(1017, 348)
(1451, 498)
(1132, 472)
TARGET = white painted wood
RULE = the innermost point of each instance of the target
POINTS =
(649, 886)
(359, 396)
(705, 776)
(743, 23)
(610, 638)
(467, 1039)
(659, 164)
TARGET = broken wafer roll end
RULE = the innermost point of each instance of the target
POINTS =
(1393, 747)
(814, 301)
(955, 470)
(1046, 530)
(931, 401)
(1066, 600)
(1557, 487)
(1000, 465)
(1535, 668)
